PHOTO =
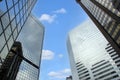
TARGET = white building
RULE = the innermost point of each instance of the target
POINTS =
(89, 54)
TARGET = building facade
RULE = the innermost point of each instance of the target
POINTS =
(69, 78)
(11, 64)
(14, 16)
(31, 38)
(106, 15)
(91, 56)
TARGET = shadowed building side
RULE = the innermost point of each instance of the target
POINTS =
(11, 64)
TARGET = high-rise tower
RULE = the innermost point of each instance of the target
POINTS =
(106, 15)
(91, 56)
(14, 16)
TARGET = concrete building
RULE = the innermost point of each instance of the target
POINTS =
(106, 15)
(91, 56)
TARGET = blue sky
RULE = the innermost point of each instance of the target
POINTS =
(58, 18)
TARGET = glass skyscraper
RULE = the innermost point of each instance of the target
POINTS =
(91, 56)
(14, 16)
(106, 15)
(31, 38)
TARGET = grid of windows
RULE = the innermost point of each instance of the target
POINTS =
(95, 60)
(32, 55)
(13, 15)
(83, 72)
(27, 71)
(110, 6)
(104, 70)
(107, 14)
(114, 55)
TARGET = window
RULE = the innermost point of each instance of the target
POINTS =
(116, 4)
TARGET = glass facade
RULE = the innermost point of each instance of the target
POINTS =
(31, 38)
(106, 13)
(11, 64)
(13, 15)
(91, 56)
(15, 19)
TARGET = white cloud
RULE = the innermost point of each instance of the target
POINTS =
(60, 55)
(51, 18)
(47, 55)
(62, 11)
(48, 18)
(60, 74)
(66, 71)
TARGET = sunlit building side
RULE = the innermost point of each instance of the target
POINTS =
(91, 56)
(106, 15)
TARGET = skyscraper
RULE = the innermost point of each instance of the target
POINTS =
(91, 56)
(106, 15)
(14, 16)
(31, 38)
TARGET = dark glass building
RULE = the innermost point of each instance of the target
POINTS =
(11, 64)
(15, 19)
(106, 15)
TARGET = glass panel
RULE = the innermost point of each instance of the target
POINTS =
(1, 29)
(2, 41)
(5, 20)
(16, 8)
(2, 6)
(13, 24)
(11, 12)
(18, 26)
(9, 3)
(8, 32)
(27, 72)
(15, 34)
(10, 42)
(15, 1)
(4, 53)
(33, 54)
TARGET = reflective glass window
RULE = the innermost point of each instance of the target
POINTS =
(1, 29)
(3, 6)
(5, 20)
(4, 52)
(10, 42)
(27, 72)
(8, 32)
(2, 41)
(15, 34)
